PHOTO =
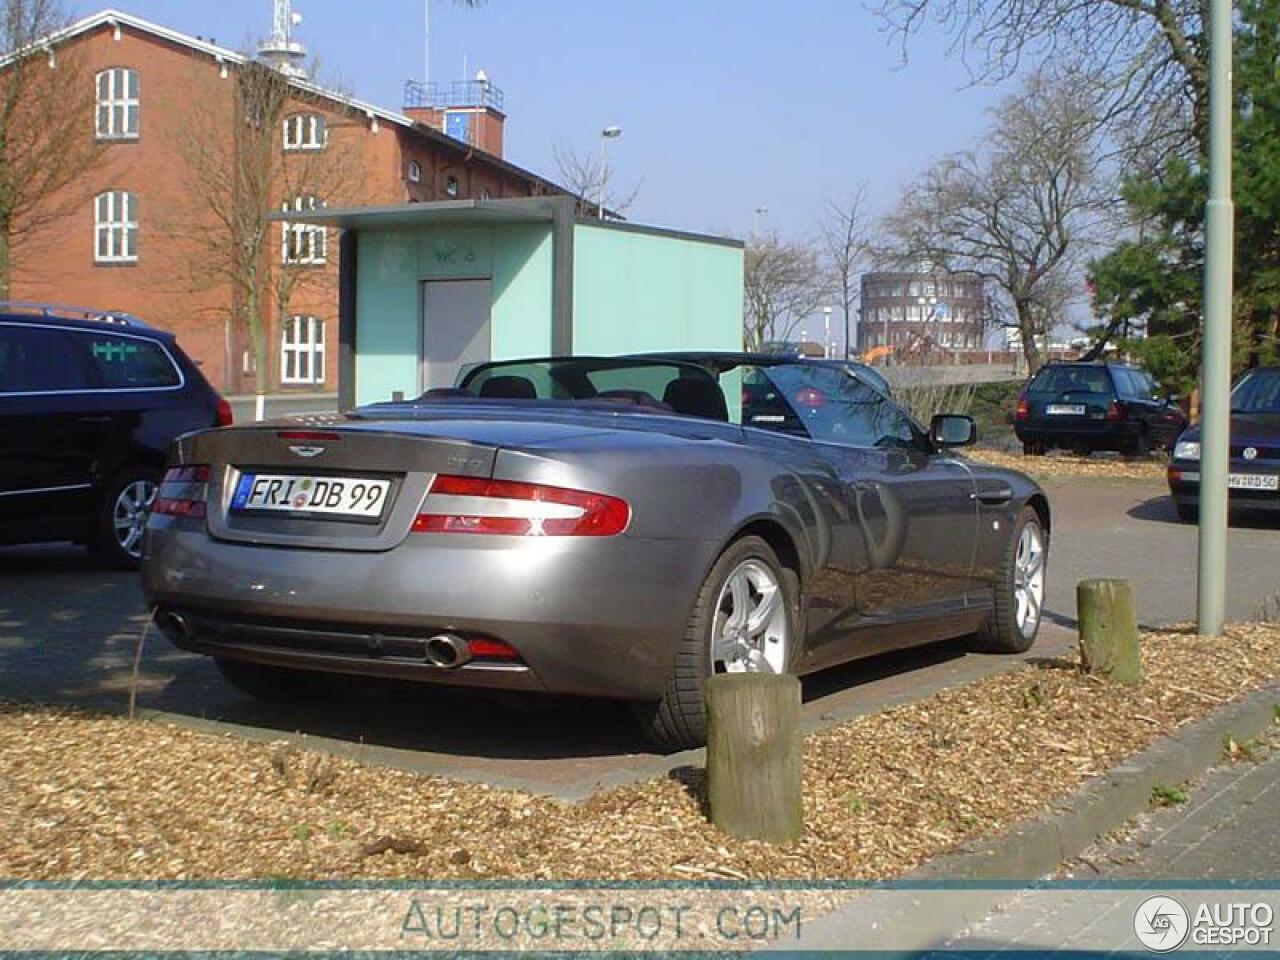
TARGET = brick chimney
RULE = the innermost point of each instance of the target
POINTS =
(467, 110)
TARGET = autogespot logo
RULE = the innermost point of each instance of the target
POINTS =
(1161, 924)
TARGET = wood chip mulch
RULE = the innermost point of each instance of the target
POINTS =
(1058, 464)
(98, 797)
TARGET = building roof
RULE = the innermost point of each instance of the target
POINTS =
(486, 212)
(118, 19)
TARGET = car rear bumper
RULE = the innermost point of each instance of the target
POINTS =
(590, 616)
(1096, 433)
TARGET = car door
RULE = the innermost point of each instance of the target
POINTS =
(1165, 421)
(48, 433)
(912, 514)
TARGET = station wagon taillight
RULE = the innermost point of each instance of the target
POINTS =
(479, 505)
(183, 492)
(1115, 411)
(1023, 410)
(224, 414)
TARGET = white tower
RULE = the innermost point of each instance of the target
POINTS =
(281, 50)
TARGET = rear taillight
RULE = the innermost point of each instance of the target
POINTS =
(183, 492)
(1115, 411)
(1023, 410)
(477, 505)
(224, 414)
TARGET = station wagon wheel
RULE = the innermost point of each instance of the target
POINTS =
(744, 620)
(122, 517)
(749, 630)
(1018, 600)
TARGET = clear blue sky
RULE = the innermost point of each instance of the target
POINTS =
(725, 106)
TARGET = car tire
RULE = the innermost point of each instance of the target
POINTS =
(1187, 512)
(122, 515)
(679, 720)
(1139, 446)
(263, 682)
(1006, 630)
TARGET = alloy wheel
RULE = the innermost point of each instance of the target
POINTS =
(129, 515)
(749, 632)
(1028, 578)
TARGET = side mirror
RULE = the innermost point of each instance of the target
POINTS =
(953, 430)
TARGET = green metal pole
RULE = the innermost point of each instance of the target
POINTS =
(1215, 375)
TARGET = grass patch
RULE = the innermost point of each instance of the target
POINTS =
(1163, 795)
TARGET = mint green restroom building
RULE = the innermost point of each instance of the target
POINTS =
(427, 288)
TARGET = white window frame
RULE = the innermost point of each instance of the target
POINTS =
(302, 351)
(303, 244)
(414, 174)
(305, 131)
(115, 227)
(116, 106)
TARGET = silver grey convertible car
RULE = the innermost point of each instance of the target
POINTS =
(608, 527)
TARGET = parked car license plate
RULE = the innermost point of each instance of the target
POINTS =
(1065, 409)
(354, 497)
(1253, 481)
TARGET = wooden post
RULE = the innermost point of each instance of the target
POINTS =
(1109, 630)
(754, 755)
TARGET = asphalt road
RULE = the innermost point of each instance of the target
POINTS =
(68, 633)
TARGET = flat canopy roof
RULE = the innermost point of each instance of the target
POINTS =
(475, 212)
(519, 210)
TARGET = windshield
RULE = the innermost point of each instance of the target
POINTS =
(1071, 379)
(826, 403)
(657, 386)
(1258, 392)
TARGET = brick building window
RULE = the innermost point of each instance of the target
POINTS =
(302, 351)
(303, 243)
(305, 131)
(118, 104)
(115, 227)
(415, 171)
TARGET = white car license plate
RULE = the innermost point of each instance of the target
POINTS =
(1065, 409)
(1253, 481)
(350, 497)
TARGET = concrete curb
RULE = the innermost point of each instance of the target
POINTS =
(1035, 847)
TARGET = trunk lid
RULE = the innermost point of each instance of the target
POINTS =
(401, 459)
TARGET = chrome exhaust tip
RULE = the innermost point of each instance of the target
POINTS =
(447, 650)
(173, 625)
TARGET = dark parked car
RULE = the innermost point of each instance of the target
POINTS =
(89, 403)
(1254, 477)
(1095, 406)
(605, 527)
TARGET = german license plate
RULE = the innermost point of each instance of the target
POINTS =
(345, 497)
(1065, 409)
(1253, 481)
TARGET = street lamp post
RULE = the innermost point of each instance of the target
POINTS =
(1215, 376)
(608, 133)
(755, 220)
(826, 333)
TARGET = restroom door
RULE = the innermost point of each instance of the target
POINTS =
(455, 329)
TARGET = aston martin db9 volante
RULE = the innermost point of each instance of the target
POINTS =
(610, 527)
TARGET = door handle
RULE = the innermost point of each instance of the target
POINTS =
(104, 418)
(995, 496)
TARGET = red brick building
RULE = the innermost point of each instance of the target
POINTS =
(122, 248)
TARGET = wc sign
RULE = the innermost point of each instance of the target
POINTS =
(1162, 923)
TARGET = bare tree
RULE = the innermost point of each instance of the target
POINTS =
(591, 178)
(238, 173)
(846, 245)
(1148, 57)
(783, 284)
(47, 103)
(1021, 212)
